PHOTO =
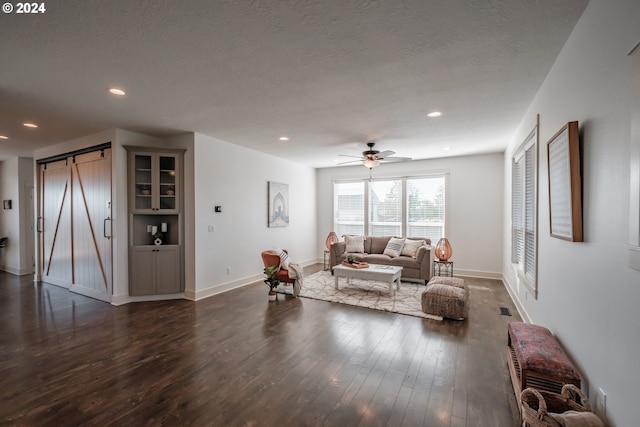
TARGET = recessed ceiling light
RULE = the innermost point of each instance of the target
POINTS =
(446, 148)
(4, 137)
(434, 114)
(116, 91)
(30, 125)
(284, 138)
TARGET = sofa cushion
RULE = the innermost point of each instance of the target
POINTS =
(377, 244)
(394, 247)
(377, 259)
(355, 244)
(284, 257)
(405, 262)
(410, 247)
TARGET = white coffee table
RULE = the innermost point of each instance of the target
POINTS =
(380, 273)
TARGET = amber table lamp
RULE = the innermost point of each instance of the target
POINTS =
(443, 249)
(331, 239)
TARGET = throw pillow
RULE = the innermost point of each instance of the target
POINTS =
(394, 247)
(354, 244)
(410, 247)
(284, 260)
(284, 257)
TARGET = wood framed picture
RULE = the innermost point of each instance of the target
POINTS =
(565, 185)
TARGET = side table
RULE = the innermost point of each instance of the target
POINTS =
(442, 268)
(326, 261)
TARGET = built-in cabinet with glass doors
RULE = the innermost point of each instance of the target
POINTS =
(155, 221)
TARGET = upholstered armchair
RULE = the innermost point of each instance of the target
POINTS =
(269, 259)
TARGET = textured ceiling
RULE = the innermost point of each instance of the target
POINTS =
(328, 74)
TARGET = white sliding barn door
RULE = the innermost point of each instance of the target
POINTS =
(76, 236)
(91, 219)
(55, 223)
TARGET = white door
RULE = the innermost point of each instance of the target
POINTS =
(75, 224)
(55, 226)
(91, 219)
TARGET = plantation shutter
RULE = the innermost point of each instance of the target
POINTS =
(530, 213)
(517, 226)
(524, 223)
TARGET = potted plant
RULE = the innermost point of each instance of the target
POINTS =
(272, 280)
(350, 259)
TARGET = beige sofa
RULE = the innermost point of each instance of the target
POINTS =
(418, 268)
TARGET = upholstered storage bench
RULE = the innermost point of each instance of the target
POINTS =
(446, 297)
(536, 360)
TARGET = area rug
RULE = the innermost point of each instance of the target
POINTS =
(366, 293)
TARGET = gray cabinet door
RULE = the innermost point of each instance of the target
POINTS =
(143, 271)
(168, 269)
(155, 270)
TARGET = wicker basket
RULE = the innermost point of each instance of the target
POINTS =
(536, 404)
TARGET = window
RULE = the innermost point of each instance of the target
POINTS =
(348, 208)
(524, 210)
(409, 206)
(385, 208)
(425, 207)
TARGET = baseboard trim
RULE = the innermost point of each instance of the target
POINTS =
(16, 271)
(478, 274)
(516, 301)
(126, 299)
(225, 287)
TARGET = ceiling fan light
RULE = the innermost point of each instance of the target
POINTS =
(371, 163)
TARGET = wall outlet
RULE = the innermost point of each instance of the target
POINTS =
(211, 229)
(601, 402)
(228, 270)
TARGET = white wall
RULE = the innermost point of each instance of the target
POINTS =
(588, 295)
(474, 210)
(235, 178)
(16, 180)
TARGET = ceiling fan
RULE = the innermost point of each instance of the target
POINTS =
(372, 158)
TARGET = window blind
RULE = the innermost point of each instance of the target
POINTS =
(385, 208)
(348, 208)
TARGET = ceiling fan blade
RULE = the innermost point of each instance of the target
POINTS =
(386, 154)
(395, 159)
(347, 155)
(349, 162)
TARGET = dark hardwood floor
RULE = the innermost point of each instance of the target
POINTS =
(236, 359)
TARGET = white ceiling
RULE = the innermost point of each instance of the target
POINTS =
(329, 74)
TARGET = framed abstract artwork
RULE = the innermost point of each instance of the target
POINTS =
(278, 205)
